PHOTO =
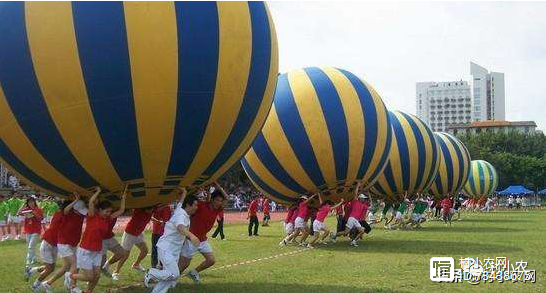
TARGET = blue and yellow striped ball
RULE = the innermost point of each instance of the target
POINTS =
(326, 130)
(482, 180)
(454, 166)
(413, 161)
(157, 95)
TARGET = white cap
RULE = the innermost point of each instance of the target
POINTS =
(80, 207)
(362, 196)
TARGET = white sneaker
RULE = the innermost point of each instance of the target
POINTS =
(333, 237)
(76, 290)
(353, 243)
(139, 268)
(18, 237)
(47, 288)
(194, 275)
(282, 243)
(67, 281)
(36, 286)
(309, 246)
(148, 280)
(115, 277)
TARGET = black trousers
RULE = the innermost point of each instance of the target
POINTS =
(311, 231)
(365, 225)
(253, 222)
(155, 238)
(340, 223)
(219, 229)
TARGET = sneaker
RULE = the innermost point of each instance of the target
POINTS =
(115, 276)
(47, 288)
(105, 272)
(224, 239)
(27, 273)
(333, 236)
(309, 246)
(18, 237)
(302, 244)
(194, 275)
(36, 286)
(282, 243)
(353, 243)
(139, 268)
(148, 280)
(67, 281)
(324, 242)
(76, 290)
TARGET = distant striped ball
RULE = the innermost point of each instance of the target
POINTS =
(153, 94)
(413, 161)
(326, 130)
(482, 180)
(454, 166)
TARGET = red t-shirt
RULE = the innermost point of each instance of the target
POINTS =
(163, 214)
(339, 210)
(289, 215)
(110, 232)
(50, 234)
(446, 206)
(357, 209)
(322, 213)
(294, 216)
(203, 220)
(33, 220)
(265, 206)
(303, 210)
(70, 230)
(346, 209)
(138, 222)
(253, 207)
(96, 230)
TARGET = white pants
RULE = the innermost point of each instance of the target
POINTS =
(48, 252)
(32, 241)
(168, 276)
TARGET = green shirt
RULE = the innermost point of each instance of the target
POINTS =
(419, 207)
(3, 210)
(14, 204)
(50, 208)
(403, 207)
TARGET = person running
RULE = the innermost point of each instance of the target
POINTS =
(300, 223)
(32, 227)
(48, 253)
(68, 237)
(169, 246)
(266, 208)
(132, 236)
(89, 253)
(319, 226)
(202, 222)
(110, 243)
(219, 226)
(402, 208)
(162, 214)
(419, 207)
(14, 220)
(358, 207)
(446, 205)
(289, 219)
(252, 217)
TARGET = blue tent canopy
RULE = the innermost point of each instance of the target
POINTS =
(515, 189)
(542, 192)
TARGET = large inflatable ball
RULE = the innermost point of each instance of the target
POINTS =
(157, 95)
(482, 180)
(413, 161)
(454, 166)
(326, 130)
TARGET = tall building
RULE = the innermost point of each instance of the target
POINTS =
(487, 93)
(441, 104)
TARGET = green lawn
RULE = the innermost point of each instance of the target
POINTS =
(386, 261)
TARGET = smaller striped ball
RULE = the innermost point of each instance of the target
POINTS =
(482, 180)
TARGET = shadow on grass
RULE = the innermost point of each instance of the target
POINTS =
(458, 229)
(485, 220)
(258, 287)
(420, 247)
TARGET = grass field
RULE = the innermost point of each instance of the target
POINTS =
(387, 261)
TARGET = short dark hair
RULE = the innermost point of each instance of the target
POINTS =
(217, 193)
(189, 200)
(104, 205)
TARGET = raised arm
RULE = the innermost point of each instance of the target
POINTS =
(221, 189)
(93, 201)
(182, 194)
(185, 231)
(310, 198)
(320, 198)
(71, 205)
(357, 189)
(121, 209)
(337, 204)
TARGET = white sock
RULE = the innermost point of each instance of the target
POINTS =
(34, 270)
(36, 283)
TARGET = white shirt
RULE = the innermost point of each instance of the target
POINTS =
(172, 240)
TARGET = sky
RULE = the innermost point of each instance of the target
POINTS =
(393, 45)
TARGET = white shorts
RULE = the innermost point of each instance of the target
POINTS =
(353, 223)
(14, 219)
(2, 223)
(188, 250)
(452, 211)
(87, 259)
(128, 240)
(64, 250)
(48, 252)
(109, 244)
(415, 217)
(300, 223)
(318, 226)
(398, 215)
(288, 228)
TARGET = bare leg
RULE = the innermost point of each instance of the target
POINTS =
(143, 253)
(121, 261)
(207, 263)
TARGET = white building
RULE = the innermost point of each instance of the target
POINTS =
(487, 93)
(525, 127)
(440, 104)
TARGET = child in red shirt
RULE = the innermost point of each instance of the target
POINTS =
(32, 227)
(266, 208)
(89, 255)
(447, 204)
